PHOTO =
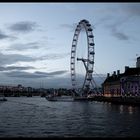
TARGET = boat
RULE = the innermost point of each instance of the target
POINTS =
(59, 98)
(55, 97)
(51, 98)
(84, 98)
(68, 98)
(3, 99)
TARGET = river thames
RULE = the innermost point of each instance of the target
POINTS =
(37, 117)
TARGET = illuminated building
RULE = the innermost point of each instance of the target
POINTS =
(124, 84)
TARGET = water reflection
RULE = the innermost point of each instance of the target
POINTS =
(127, 109)
(131, 110)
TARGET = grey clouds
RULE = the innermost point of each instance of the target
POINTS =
(23, 26)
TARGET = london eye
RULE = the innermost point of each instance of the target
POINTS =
(86, 60)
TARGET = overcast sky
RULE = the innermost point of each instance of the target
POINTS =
(36, 38)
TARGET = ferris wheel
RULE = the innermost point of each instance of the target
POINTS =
(87, 60)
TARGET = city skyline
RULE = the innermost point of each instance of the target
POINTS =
(36, 40)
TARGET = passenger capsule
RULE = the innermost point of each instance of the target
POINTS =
(77, 29)
(89, 29)
(91, 44)
(92, 52)
(91, 62)
(88, 24)
(78, 26)
(83, 20)
(90, 36)
(90, 71)
(86, 21)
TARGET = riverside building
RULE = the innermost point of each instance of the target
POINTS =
(123, 84)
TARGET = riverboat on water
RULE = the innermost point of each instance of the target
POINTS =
(3, 99)
(59, 98)
(54, 97)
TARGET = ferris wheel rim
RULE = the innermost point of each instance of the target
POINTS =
(90, 60)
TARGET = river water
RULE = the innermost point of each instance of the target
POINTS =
(37, 117)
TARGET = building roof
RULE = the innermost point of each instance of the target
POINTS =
(128, 72)
(113, 78)
(132, 71)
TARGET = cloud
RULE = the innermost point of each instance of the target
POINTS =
(19, 74)
(42, 78)
(9, 68)
(4, 36)
(65, 81)
(114, 29)
(71, 27)
(23, 26)
(56, 72)
(37, 74)
(54, 56)
(13, 58)
(26, 46)
(102, 21)
(6, 59)
(127, 11)
(119, 34)
(131, 9)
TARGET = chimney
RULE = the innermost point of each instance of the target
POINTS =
(108, 75)
(118, 72)
(114, 72)
(138, 62)
(126, 67)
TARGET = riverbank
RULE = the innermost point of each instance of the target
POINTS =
(118, 100)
